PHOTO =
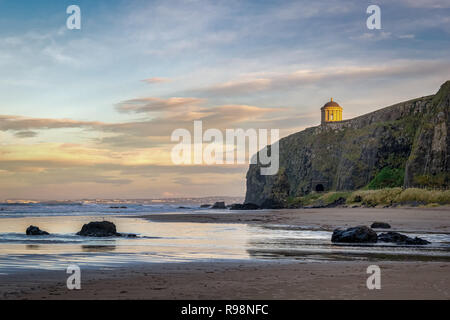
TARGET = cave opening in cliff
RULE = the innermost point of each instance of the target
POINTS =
(320, 188)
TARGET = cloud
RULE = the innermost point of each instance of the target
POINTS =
(304, 10)
(322, 76)
(157, 131)
(383, 35)
(236, 114)
(378, 36)
(146, 105)
(107, 172)
(152, 132)
(60, 172)
(406, 36)
(156, 80)
(18, 123)
(25, 134)
(436, 4)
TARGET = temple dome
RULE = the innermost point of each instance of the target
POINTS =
(331, 112)
(331, 103)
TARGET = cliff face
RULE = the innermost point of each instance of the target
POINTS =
(413, 135)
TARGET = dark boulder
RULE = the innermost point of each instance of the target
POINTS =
(399, 238)
(358, 234)
(219, 205)
(205, 206)
(99, 229)
(380, 225)
(35, 231)
(244, 206)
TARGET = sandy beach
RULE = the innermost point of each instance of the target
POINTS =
(401, 219)
(336, 280)
(269, 279)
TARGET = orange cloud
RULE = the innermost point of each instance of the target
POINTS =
(145, 105)
(156, 80)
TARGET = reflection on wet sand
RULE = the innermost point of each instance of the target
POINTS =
(94, 248)
(188, 241)
(33, 246)
(156, 242)
(300, 244)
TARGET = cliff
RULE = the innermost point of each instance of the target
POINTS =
(411, 137)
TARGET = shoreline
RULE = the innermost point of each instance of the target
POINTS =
(258, 279)
(434, 220)
(224, 281)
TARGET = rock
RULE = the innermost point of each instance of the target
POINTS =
(35, 231)
(380, 225)
(205, 206)
(99, 229)
(358, 234)
(399, 238)
(236, 206)
(244, 206)
(219, 205)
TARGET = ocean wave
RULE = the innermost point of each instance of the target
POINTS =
(73, 209)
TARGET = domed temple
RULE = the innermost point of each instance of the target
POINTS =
(331, 112)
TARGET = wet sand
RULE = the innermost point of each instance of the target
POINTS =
(271, 279)
(238, 280)
(401, 219)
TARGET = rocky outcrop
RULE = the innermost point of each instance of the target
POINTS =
(380, 225)
(244, 206)
(35, 231)
(363, 234)
(336, 203)
(347, 155)
(399, 238)
(429, 162)
(219, 205)
(99, 229)
(360, 234)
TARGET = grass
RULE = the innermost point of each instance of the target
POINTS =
(319, 198)
(388, 178)
(372, 198)
(424, 196)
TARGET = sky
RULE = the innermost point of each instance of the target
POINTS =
(89, 113)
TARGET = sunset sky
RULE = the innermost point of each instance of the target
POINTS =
(89, 113)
